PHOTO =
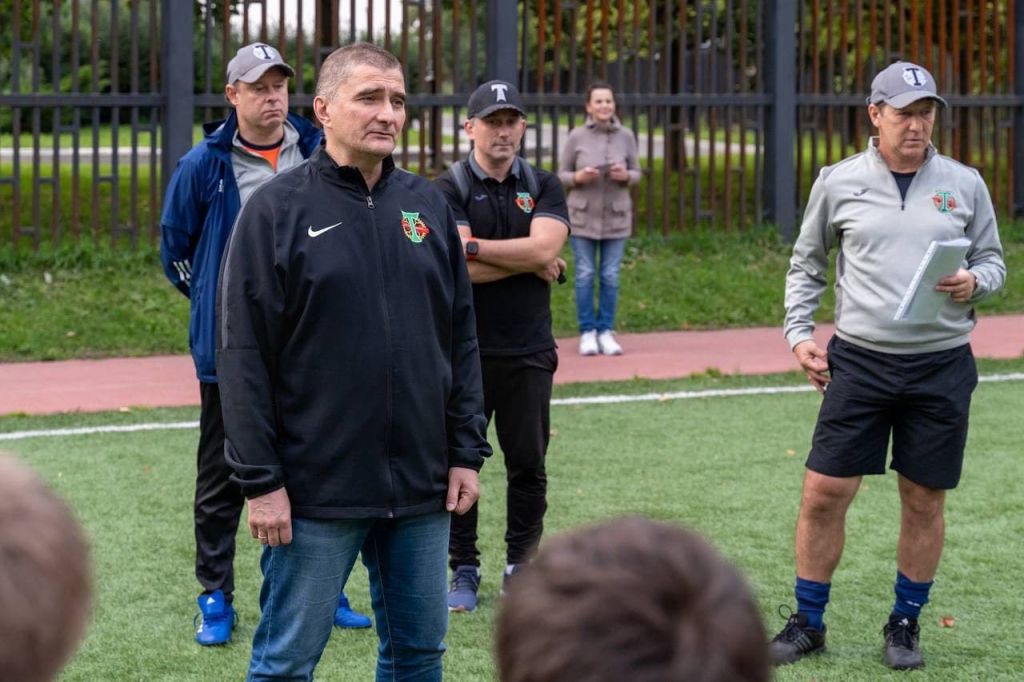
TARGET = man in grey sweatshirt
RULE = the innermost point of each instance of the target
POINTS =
(880, 376)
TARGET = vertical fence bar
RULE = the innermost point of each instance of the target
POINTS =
(36, 127)
(94, 57)
(780, 64)
(502, 40)
(437, 76)
(114, 180)
(681, 115)
(154, 122)
(422, 86)
(177, 76)
(1016, 23)
(76, 123)
(133, 76)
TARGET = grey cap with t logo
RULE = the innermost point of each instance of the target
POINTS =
(252, 61)
(901, 84)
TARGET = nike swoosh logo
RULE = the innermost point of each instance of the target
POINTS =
(861, 193)
(480, 197)
(317, 233)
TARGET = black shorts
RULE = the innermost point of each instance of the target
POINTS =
(923, 400)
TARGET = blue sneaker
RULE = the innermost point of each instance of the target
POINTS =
(216, 619)
(463, 589)
(345, 617)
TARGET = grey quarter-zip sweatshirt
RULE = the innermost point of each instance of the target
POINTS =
(855, 207)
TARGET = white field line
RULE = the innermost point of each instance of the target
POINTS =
(590, 400)
(108, 428)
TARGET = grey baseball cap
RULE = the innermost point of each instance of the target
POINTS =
(252, 61)
(494, 96)
(901, 84)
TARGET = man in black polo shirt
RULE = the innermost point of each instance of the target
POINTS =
(514, 221)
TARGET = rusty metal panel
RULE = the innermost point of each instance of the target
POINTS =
(967, 44)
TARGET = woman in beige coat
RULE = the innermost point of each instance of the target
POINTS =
(598, 165)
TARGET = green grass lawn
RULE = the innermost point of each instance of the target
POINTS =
(76, 303)
(730, 467)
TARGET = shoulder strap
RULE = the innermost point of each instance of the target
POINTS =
(461, 180)
(460, 176)
(530, 177)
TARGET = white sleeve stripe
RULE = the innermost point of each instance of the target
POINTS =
(183, 271)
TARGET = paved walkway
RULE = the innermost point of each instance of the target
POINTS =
(97, 385)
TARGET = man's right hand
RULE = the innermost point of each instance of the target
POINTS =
(270, 518)
(814, 362)
(550, 273)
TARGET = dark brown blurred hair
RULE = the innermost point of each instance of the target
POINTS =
(599, 85)
(630, 600)
(45, 585)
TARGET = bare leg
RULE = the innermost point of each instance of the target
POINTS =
(820, 526)
(922, 530)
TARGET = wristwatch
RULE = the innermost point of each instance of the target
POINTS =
(472, 249)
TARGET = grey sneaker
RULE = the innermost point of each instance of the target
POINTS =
(796, 640)
(463, 588)
(901, 643)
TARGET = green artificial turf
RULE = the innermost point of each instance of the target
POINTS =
(730, 467)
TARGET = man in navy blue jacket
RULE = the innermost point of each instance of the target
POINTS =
(208, 188)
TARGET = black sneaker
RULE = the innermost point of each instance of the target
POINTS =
(901, 649)
(796, 640)
(509, 576)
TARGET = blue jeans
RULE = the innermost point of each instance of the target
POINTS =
(406, 560)
(585, 253)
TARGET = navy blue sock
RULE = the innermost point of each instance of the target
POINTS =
(811, 598)
(910, 596)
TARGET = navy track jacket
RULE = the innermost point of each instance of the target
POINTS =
(348, 359)
(200, 208)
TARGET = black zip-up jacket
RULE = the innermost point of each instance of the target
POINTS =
(347, 351)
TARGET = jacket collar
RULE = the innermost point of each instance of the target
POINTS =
(346, 175)
(613, 124)
(221, 134)
(875, 154)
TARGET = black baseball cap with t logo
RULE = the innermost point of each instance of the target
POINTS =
(494, 96)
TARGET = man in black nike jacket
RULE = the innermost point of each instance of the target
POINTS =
(350, 378)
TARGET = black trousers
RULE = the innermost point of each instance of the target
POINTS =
(517, 395)
(218, 503)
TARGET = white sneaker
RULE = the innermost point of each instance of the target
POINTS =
(588, 343)
(609, 346)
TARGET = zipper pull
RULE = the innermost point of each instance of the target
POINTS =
(369, 201)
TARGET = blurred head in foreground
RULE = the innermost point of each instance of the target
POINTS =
(45, 584)
(630, 599)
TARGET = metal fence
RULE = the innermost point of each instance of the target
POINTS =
(736, 104)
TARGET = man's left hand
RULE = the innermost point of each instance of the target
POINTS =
(463, 489)
(960, 286)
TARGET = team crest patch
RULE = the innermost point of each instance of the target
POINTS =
(415, 229)
(944, 201)
(525, 202)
